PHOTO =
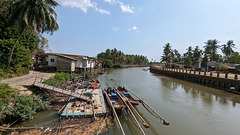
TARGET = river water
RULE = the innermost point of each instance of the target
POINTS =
(190, 108)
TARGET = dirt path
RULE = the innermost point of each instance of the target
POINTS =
(26, 80)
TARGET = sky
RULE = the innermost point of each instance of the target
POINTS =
(143, 27)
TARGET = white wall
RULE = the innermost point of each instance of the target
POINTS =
(73, 64)
(51, 63)
(79, 63)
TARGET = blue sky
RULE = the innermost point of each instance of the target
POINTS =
(88, 27)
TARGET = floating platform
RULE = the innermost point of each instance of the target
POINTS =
(81, 108)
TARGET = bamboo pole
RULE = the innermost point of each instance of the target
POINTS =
(145, 124)
(135, 119)
(142, 101)
(67, 112)
(114, 112)
(60, 111)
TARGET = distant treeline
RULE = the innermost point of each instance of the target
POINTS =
(115, 58)
(209, 53)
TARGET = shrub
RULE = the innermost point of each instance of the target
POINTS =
(222, 68)
(14, 106)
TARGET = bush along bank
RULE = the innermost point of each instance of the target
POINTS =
(14, 106)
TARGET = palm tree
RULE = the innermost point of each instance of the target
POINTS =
(177, 56)
(32, 15)
(211, 48)
(167, 53)
(197, 53)
(228, 49)
(188, 57)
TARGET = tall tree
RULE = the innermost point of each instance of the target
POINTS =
(167, 53)
(197, 53)
(211, 48)
(228, 49)
(33, 15)
(177, 56)
(188, 57)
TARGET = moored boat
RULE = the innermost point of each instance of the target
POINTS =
(114, 99)
(128, 95)
(96, 84)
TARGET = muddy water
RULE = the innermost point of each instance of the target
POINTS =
(190, 108)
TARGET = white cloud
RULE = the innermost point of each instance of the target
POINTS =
(124, 8)
(115, 29)
(111, 1)
(83, 5)
(134, 28)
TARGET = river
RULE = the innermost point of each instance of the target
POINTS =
(190, 108)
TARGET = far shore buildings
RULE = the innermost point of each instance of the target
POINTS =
(67, 62)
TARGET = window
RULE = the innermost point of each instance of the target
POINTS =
(52, 60)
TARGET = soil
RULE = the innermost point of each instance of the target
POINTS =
(21, 83)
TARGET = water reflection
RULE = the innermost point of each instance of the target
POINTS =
(190, 108)
(207, 94)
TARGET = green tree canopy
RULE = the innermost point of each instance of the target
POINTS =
(32, 15)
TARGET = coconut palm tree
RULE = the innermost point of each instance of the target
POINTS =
(197, 53)
(32, 15)
(166, 53)
(211, 48)
(228, 49)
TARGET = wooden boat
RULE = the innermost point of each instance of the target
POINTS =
(128, 95)
(114, 99)
(96, 84)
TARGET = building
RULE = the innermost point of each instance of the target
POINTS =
(67, 62)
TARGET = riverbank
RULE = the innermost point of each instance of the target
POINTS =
(83, 126)
(224, 81)
(128, 66)
(57, 101)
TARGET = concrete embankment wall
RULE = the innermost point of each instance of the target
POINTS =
(216, 80)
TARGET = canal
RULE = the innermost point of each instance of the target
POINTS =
(190, 108)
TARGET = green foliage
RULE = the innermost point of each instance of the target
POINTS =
(21, 58)
(167, 54)
(115, 58)
(60, 79)
(234, 58)
(211, 48)
(14, 106)
(204, 61)
(222, 68)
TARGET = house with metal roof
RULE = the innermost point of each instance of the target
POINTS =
(68, 62)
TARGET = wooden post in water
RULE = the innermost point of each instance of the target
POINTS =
(218, 74)
(161, 118)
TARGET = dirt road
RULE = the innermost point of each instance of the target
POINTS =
(26, 80)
